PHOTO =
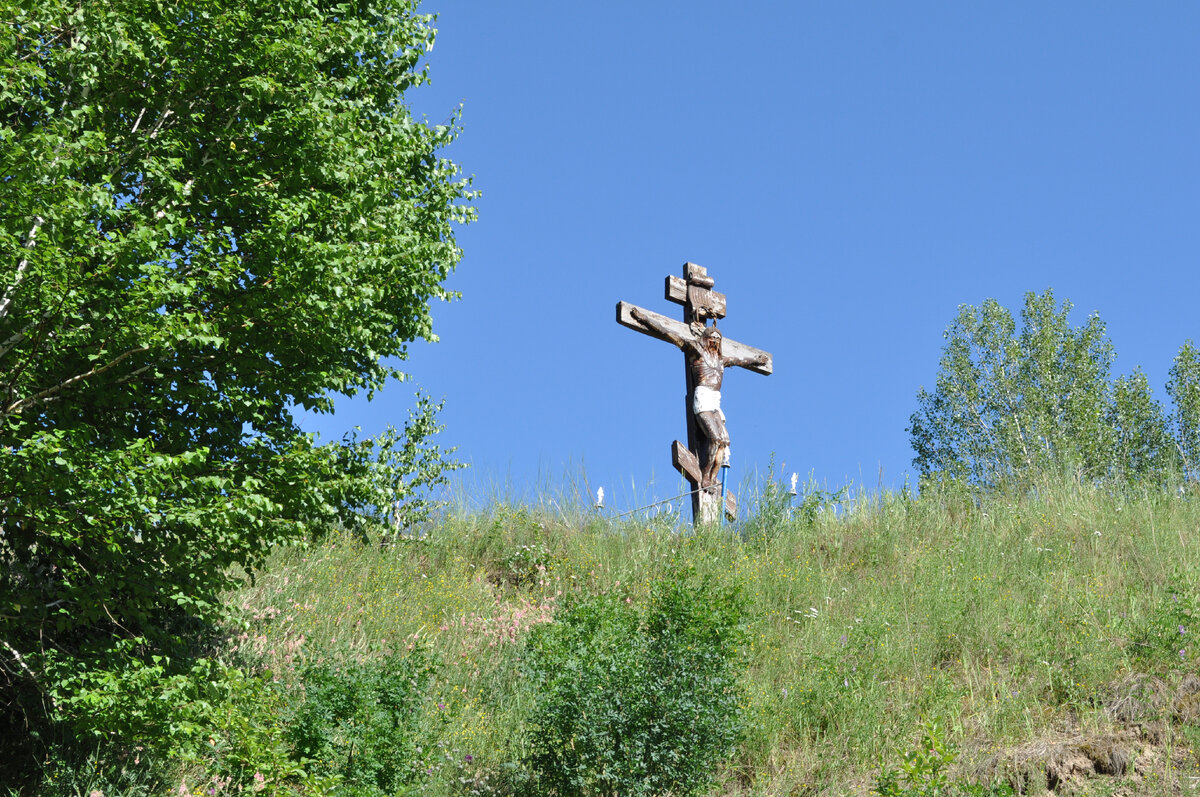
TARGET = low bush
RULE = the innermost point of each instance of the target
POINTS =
(357, 720)
(135, 721)
(638, 699)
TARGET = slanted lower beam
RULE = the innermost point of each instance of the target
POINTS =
(686, 463)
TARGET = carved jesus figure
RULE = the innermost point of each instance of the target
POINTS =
(703, 350)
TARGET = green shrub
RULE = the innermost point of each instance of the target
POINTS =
(638, 700)
(135, 720)
(357, 720)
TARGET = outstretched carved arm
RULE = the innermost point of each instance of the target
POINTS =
(658, 327)
(743, 362)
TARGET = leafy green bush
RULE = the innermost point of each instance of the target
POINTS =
(357, 720)
(135, 718)
(638, 700)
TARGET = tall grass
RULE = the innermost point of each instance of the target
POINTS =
(1013, 619)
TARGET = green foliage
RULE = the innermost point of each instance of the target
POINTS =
(777, 508)
(1169, 631)
(214, 214)
(88, 771)
(1184, 389)
(525, 564)
(158, 704)
(1015, 615)
(771, 513)
(357, 720)
(1141, 440)
(838, 680)
(206, 715)
(1011, 405)
(638, 700)
(924, 770)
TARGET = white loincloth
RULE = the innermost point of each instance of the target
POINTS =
(706, 399)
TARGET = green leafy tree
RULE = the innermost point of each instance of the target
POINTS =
(212, 214)
(1009, 405)
(1184, 390)
(1141, 439)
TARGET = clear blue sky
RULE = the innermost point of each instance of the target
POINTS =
(848, 172)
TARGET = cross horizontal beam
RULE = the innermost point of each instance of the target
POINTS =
(729, 347)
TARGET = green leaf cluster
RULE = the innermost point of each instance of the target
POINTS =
(211, 214)
(638, 700)
(1011, 405)
(357, 720)
(924, 770)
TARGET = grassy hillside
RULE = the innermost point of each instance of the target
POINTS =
(896, 644)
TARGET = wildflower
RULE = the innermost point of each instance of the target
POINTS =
(96, 793)
(468, 758)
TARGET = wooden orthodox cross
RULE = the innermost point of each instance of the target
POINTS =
(696, 460)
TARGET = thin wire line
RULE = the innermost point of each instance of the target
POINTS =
(656, 503)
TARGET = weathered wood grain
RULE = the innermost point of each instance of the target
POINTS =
(676, 290)
(686, 463)
(706, 302)
(713, 302)
(697, 275)
(729, 348)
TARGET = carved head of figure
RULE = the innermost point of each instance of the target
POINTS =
(710, 338)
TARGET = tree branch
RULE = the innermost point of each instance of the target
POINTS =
(20, 406)
(38, 221)
(138, 121)
(15, 338)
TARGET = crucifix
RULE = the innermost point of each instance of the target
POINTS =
(705, 355)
